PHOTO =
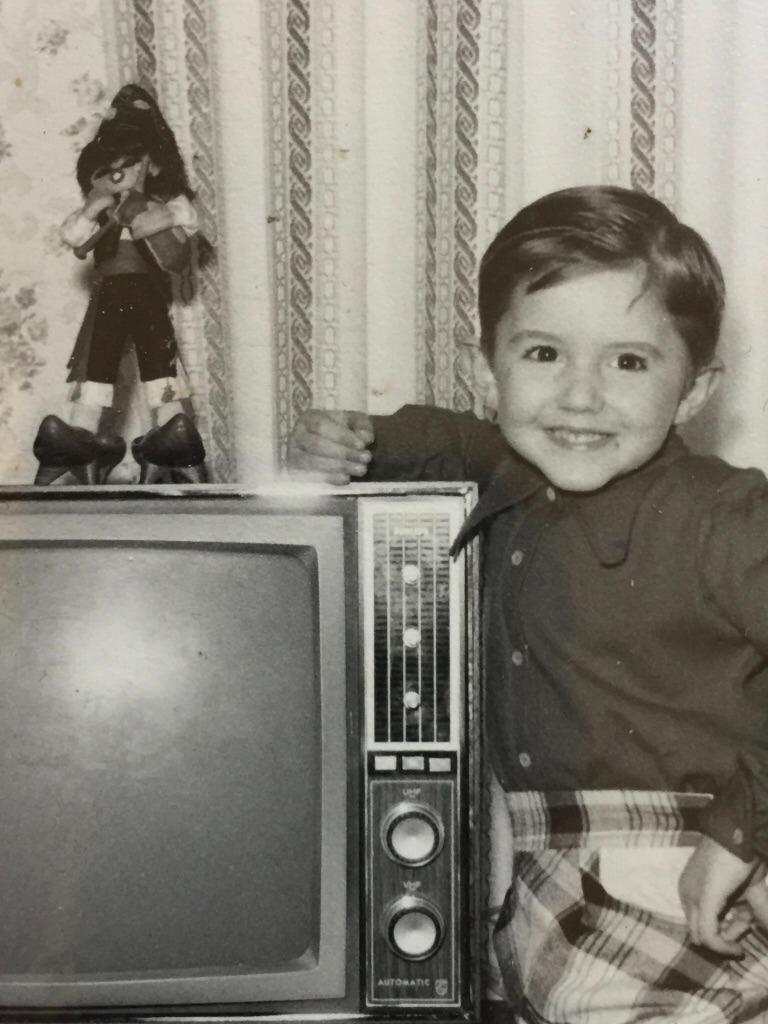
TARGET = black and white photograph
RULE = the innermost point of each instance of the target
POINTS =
(383, 511)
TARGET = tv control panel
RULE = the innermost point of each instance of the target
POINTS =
(416, 726)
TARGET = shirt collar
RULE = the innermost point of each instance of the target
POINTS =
(607, 516)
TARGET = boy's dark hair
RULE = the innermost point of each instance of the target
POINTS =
(599, 227)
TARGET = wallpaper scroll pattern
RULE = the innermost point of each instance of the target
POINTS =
(447, 155)
(216, 373)
(465, 255)
(300, 203)
(144, 27)
(426, 199)
(643, 102)
(290, 95)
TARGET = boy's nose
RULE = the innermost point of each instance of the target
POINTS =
(582, 390)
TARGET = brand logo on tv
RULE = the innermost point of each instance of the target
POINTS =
(403, 982)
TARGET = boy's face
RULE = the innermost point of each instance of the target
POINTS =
(591, 375)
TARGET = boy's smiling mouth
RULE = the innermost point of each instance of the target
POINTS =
(578, 439)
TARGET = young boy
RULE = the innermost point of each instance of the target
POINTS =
(625, 615)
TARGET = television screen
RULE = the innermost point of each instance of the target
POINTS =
(158, 701)
(173, 759)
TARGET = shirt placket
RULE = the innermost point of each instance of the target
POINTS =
(518, 680)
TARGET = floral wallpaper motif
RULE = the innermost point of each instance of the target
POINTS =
(54, 87)
(22, 333)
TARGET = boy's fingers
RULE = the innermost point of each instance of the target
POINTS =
(737, 922)
(308, 448)
(328, 433)
(338, 426)
(708, 928)
(320, 465)
(362, 426)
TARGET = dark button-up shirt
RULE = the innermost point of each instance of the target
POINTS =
(626, 630)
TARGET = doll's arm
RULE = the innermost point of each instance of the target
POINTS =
(81, 224)
(175, 213)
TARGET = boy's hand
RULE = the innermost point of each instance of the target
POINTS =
(331, 445)
(710, 883)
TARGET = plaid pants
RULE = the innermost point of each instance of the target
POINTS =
(572, 953)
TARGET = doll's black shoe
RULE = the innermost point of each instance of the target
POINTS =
(61, 449)
(173, 451)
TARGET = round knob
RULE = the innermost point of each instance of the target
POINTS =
(412, 834)
(411, 699)
(414, 928)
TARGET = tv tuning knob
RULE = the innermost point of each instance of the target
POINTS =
(412, 834)
(414, 928)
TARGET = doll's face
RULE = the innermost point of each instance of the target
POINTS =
(121, 177)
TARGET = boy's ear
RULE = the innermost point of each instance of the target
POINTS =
(704, 385)
(486, 382)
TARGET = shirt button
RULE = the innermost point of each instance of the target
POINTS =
(517, 658)
(550, 492)
(524, 759)
(516, 557)
(738, 836)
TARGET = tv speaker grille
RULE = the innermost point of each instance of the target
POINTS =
(411, 627)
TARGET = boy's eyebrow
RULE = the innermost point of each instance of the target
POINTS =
(532, 334)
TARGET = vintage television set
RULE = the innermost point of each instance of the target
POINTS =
(239, 747)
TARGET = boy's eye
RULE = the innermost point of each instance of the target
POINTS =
(630, 361)
(541, 354)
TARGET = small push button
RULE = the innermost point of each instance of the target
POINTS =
(385, 763)
(413, 762)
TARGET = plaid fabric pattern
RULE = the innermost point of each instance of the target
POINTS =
(570, 953)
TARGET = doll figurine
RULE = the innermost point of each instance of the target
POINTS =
(137, 219)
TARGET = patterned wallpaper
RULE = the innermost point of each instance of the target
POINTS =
(352, 160)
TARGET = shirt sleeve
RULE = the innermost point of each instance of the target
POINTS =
(733, 559)
(421, 442)
(183, 213)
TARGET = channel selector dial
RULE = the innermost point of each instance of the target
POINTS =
(412, 834)
(414, 928)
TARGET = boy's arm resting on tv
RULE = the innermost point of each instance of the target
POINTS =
(418, 442)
